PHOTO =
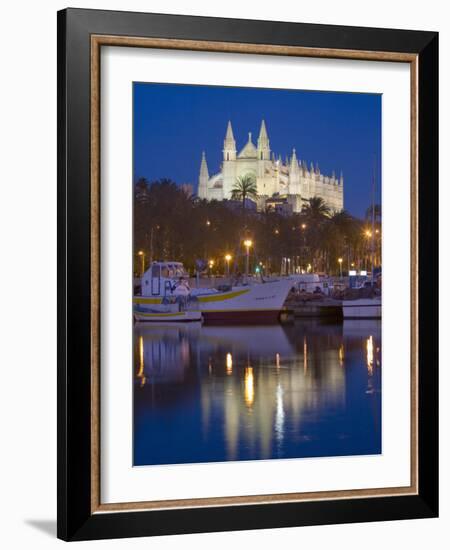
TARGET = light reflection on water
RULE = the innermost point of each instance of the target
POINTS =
(216, 393)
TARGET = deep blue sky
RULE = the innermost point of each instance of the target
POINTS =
(173, 124)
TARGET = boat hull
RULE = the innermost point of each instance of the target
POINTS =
(364, 308)
(176, 317)
(260, 302)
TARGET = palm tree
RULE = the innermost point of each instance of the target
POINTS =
(316, 210)
(340, 237)
(316, 213)
(245, 187)
(345, 223)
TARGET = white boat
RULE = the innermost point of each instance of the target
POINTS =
(253, 302)
(157, 316)
(362, 308)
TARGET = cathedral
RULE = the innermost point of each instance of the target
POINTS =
(287, 182)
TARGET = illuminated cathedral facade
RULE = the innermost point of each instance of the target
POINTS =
(290, 180)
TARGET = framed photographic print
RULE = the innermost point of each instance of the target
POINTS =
(247, 274)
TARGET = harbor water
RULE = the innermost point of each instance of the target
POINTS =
(220, 393)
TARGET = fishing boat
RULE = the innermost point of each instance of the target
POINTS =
(162, 314)
(162, 302)
(253, 301)
(362, 308)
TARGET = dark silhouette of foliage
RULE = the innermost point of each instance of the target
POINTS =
(170, 225)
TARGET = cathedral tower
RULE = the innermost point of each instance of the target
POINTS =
(229, 144)
(263, 143)
(229, 162)
(266, 183)
(294, 175)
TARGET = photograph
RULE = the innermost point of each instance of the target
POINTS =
(247, 272)
(257, 274)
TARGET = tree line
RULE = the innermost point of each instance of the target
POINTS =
(172, 224)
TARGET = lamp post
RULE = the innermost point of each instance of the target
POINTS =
(228, 259)
(141, 253)
(368, 234)
(340, 266)
(303, 227)
(247, 243)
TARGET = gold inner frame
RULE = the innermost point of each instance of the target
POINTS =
(97, 41)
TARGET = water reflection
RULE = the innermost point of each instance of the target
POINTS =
(369, 346)
(229, 363)
(215, 393)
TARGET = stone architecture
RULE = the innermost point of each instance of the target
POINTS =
(290, 181)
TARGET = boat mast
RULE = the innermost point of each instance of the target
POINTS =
(372, 251)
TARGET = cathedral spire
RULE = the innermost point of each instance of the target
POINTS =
(263, 132)
(263, 143)
(203, 178)
(229, 135)
(229, 144)
(294, 162)
(204, 165)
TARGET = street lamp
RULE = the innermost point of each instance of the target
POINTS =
(141, 253)
(303, 227)
(247, 243)
(340, 266)
(228, 259)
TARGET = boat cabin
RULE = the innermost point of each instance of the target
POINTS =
(161, 278)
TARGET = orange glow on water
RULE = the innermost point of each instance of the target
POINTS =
(229, 363)
(140, 373)
(249, 387)
(369, 347)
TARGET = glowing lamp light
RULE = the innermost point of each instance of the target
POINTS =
(248, 243)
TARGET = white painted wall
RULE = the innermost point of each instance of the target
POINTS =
(28, 350)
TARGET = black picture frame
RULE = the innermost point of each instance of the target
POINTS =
(75, 518)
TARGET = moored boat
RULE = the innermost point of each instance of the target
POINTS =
(157, 316)
(362, 308)
(243, 303)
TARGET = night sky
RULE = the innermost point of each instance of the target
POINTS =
(173, 124)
